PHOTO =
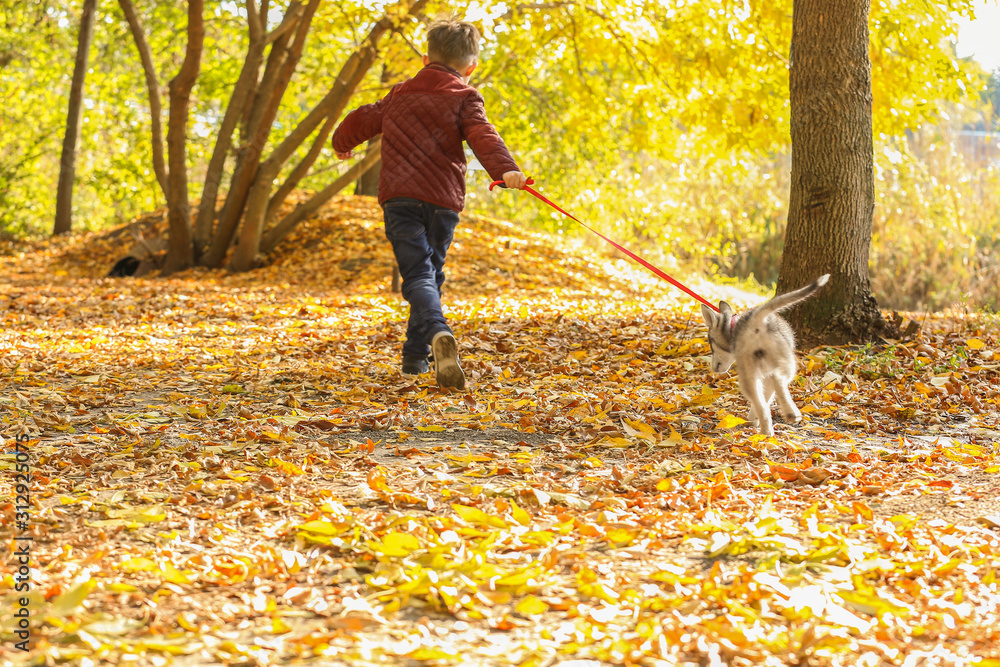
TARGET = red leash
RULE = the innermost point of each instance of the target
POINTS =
(624, 250)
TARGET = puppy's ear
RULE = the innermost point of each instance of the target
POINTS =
(725, 310)
(709, 315)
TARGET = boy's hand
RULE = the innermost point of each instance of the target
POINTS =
(345, 156)
(515, 179)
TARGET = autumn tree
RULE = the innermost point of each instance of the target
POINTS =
(658, 120)
(67, 170)
(251, 214)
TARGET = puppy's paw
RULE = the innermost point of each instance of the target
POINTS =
(793, 417)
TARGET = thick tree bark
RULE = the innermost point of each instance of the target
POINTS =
(67, 165)
(153, 86)
(180, 254)
(832, 188)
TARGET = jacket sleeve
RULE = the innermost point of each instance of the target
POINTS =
(359, 126)
(483, 138)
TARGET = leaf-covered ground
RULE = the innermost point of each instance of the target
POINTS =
(232, 470)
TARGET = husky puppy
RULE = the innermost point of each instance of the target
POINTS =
(762, 345)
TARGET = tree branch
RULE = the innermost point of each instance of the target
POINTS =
(153, 86)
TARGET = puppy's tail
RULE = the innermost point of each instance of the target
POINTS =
(789, 299)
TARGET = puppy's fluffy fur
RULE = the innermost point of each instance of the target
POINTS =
(762, 345)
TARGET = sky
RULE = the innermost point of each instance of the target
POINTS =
(979, 38)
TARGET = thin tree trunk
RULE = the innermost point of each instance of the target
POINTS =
(67, 163)
(832, 183)
(301, 169)
(367, 184)
(237, 101)
(306, 209)
(180, 254)
(258, 130)
(332, 106)
(287, 23)
(153, 86)
(350, 76)
(319, 142)
(368, 181)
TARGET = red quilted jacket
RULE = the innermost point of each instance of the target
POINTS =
(423, 122)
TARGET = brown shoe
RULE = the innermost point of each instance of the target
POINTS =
(449, 374)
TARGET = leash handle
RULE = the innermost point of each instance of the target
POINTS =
(503, 185)
(626, 251)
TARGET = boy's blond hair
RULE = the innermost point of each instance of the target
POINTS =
(453, 43)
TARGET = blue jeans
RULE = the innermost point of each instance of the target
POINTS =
(420, 234)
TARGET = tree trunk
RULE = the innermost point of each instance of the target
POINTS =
(255, 210)
(67, 166)
(153, 86)
(368, 182)
(242, 91)
(367, 185)
(259, 120)
(260, 206)
(181, 252)
(832, 185)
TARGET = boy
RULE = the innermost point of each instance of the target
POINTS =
(423, 122)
